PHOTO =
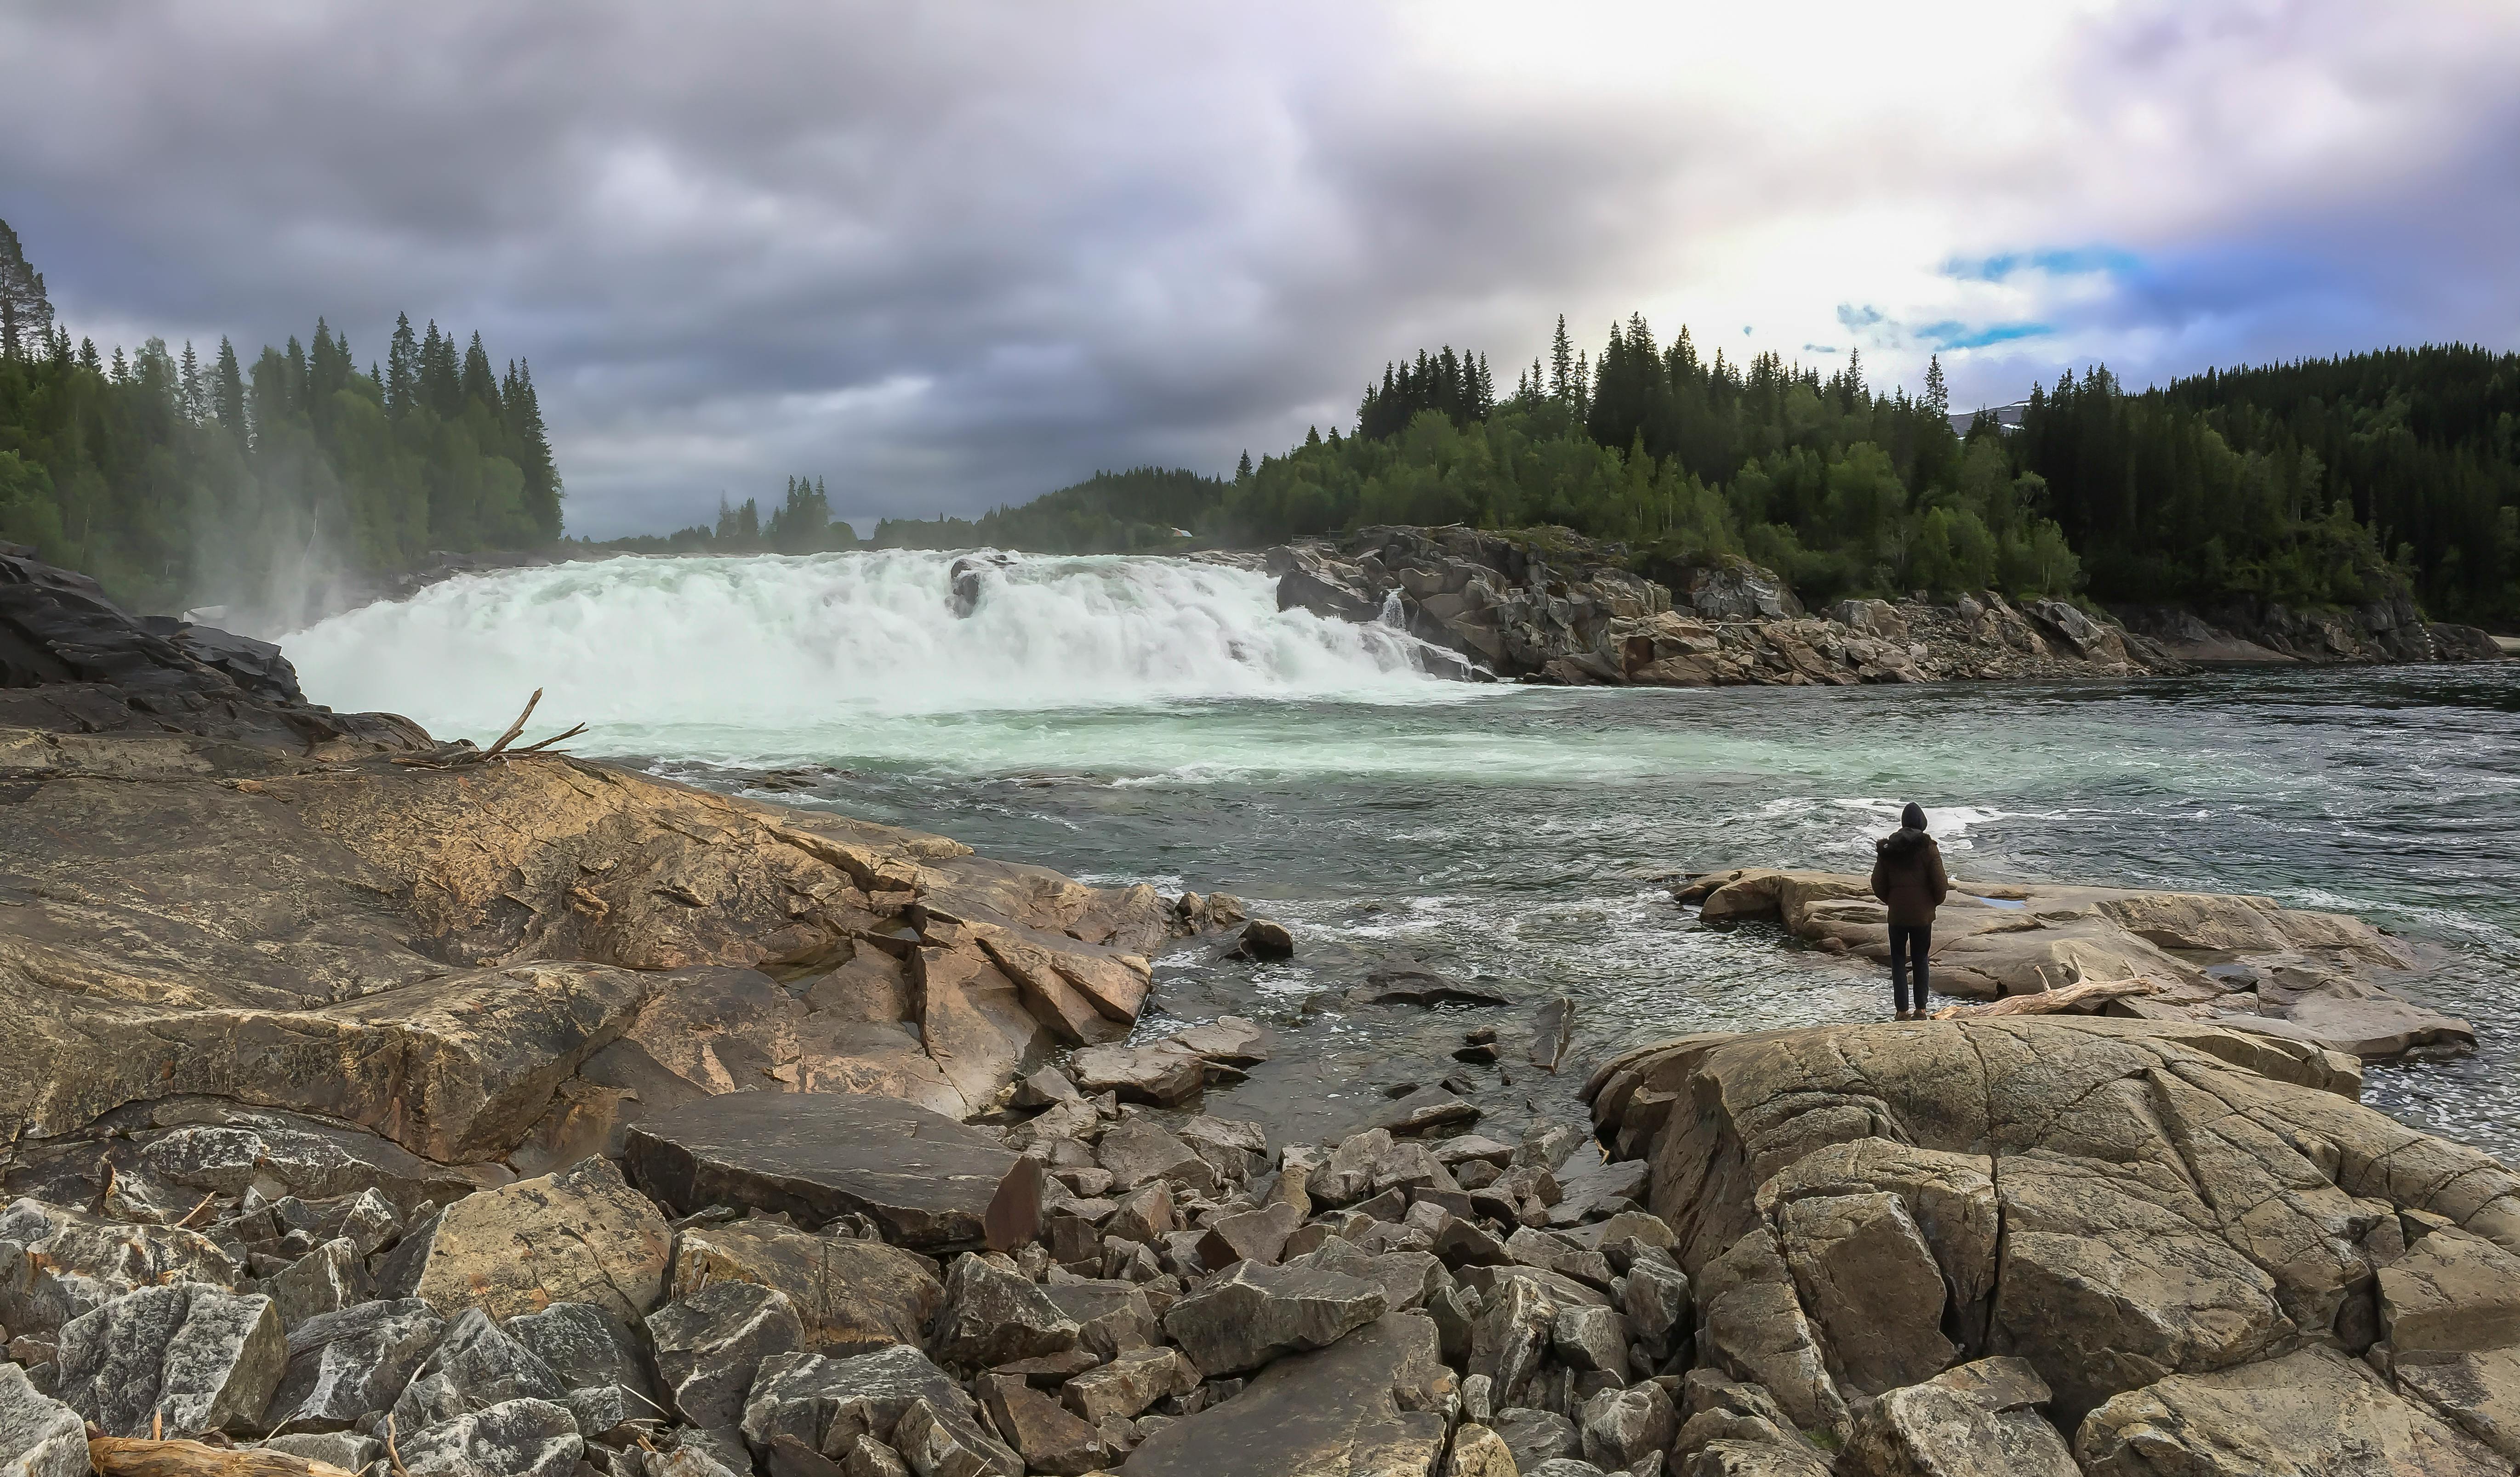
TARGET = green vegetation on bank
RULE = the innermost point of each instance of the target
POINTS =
(176, 480)
(2326, 482)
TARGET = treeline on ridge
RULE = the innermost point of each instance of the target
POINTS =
(175, 478)
(2325, 482)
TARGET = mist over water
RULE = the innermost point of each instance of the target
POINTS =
(1154, 720)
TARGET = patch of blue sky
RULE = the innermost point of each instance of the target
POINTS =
(2074, 261)
(1950, 334)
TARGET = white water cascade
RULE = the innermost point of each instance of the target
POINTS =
(832, 640)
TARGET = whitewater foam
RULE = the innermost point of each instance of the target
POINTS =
(773, 641)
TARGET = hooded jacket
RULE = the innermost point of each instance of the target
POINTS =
(1907, 874)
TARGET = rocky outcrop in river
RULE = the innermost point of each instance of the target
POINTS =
(1545, 604)
(2242, 962)
(370, 1105)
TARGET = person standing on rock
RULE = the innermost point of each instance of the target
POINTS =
(1907, 875)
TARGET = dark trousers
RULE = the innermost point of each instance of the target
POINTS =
(1909, 943)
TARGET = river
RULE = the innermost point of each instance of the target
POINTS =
(1154, 720)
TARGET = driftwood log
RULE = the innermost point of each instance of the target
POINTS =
(2089, 996)
(138, 1456)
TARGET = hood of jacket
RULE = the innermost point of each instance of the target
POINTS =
(1901, 844)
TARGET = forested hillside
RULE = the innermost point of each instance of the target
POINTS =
(2318, 484)
(178, 478)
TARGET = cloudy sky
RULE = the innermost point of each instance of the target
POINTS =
(952, 254)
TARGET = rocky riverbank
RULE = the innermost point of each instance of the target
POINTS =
(1548, 605)
(373, 1105)
(2240, 962)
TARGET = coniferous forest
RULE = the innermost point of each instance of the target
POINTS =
(2326, 482)
(180, 477)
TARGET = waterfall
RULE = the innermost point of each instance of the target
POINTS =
(832, 638)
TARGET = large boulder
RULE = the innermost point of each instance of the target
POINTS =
(1978, 1418)
(58, 1264)
(580, 1235)
(2181, 1211)
(2311, 1412)
(1371, 1402)
(190, 1358)
(893, 1396)
(851, 1295)
(1250, 1315)
(930, 1183)
(514, 1438)
(710, 1344)
(353, 1362)
(993, 1316)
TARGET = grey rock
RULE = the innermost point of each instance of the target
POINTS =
(346, 1450)
(331, 1278)
(1110, 1316)
(1138, 1152)
(1371, 1402)
(930, 1183)
(1552, 1031)
(1426, 1110)
(1245, 1317)
(57, 1263)
(1622, 1427)
(1254, 1235)
(476, 1365)
(1585, 1337)
(1265, 940)
(1655, 1299)
(353, 1362)
(513, 1438)
(1565, 1467)
(1132, 1381)
(710, 1344)
(1511, 1336)
(1979, 1417)
(993, 1316)
(1552, 1253)
(584, 1345)
(828, 1403)
(1536, 1436)
(202, 1358)
(39, 1436)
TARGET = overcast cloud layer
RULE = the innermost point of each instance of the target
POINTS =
(949, 256)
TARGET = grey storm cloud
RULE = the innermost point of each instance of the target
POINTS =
(951, 255)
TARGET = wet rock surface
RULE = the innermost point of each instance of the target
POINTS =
(2238, 961)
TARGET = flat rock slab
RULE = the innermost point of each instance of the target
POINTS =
(929, 1182)
(580, 1235)
(851, 1296)
(1368, 1404)
(2312, 1411)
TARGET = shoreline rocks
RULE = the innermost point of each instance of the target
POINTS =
(2238, 961)
(1545, 604)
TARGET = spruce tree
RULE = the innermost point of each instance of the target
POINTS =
(1561, 365)
(403, 369)
(25, 313)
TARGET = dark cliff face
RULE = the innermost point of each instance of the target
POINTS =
(74, 661)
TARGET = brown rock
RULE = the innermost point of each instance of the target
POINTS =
(930, 1183)
(850, 1296)
(580, 1235)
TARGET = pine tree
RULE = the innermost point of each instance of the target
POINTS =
(195, 404)
(403, 369)
(227, 389)
(25, 313)
(1242, 468)
(1938, 395)
(1561, 365)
